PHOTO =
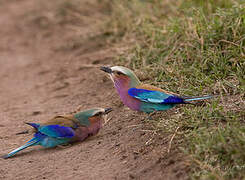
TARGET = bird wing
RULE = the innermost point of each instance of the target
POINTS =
(63, 120)
(154, 88)
(57, 131)
(153, 94)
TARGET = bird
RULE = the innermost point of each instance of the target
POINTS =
(143, 97)
(65, 129)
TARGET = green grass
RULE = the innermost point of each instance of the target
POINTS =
(192, 47)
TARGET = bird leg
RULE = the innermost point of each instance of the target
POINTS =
(151, 114)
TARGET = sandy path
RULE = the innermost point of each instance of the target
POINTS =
(40, 77)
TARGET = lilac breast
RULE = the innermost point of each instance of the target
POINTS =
(95, 127)
(81, 133)
(129, 101)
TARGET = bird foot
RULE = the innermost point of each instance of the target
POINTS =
(150, 115)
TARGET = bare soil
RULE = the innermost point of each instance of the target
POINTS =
(49, 66)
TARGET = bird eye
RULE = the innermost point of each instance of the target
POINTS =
(98, 114)
(119, 73)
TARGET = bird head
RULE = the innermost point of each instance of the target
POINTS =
(95, 114)
(121, 75)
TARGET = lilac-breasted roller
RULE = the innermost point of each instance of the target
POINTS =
(66, 129)
(143, 97)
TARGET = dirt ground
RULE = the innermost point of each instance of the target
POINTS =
(43, 73)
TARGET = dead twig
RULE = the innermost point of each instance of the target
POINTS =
(170, 143)
(106, 120)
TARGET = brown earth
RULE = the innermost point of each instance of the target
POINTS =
(49, 58)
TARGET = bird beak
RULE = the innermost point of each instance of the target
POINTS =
(106, 69)
(107, 110)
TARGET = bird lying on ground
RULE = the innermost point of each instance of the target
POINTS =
(62, 130)
(142, 97)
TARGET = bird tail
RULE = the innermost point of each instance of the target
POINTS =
(197, 98)
(32, 142)
(22, 132)
(34, 125)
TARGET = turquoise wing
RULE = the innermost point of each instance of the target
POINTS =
(57, 131)
(154, 96)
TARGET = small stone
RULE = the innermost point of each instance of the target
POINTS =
(131, 176)
(34, 113)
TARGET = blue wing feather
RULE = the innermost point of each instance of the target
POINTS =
(57, 131)
(154, 96)
(47, 136)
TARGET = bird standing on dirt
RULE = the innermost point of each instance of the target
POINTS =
(143, 97)
(62, 130)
